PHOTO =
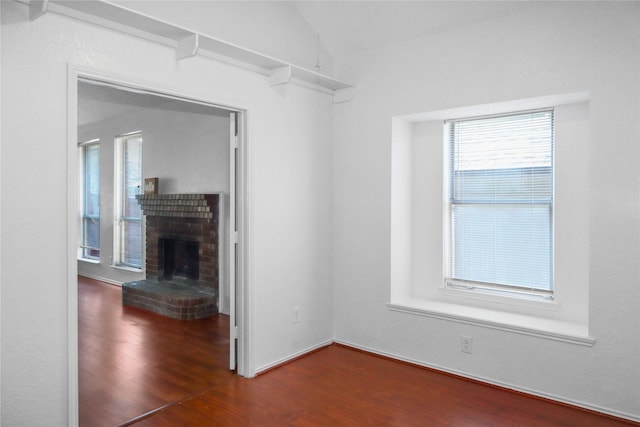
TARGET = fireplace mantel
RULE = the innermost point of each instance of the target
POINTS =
(188, 205)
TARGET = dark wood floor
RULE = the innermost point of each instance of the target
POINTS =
(130, 364)
(132, 361)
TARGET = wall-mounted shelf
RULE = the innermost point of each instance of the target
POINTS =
(190, 43)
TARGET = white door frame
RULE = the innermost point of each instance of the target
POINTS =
(238, 221)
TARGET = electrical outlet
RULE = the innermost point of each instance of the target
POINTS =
(466, 344)
(296, 315)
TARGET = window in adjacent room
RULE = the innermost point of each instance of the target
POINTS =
(128, 231)
(90, 200)
(499, 220)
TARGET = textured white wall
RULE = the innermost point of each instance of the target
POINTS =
(289, 156)
(555, 49)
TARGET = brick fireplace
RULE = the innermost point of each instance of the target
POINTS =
(181, 262)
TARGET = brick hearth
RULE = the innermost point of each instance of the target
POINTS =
(178, 217)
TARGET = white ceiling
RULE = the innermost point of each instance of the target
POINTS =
(351, 27)
(98, 102)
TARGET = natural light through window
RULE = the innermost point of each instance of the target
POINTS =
(487, 215)
(90, 200)
(128, 240)
(500, 203)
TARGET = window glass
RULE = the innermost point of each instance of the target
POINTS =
(501, 201)
(91, 201)
(130, 215)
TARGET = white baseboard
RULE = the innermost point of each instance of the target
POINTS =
(291, 357)
(100, 278)
(524, 390)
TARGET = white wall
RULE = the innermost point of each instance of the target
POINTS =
(185, 146)
(556, 49)
(289, 164)
(0, 223)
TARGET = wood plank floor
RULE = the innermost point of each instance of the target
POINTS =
(335, 386)
(132, 361)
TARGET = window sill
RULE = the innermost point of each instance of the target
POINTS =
(556, 330)
(89, 261)
(125, 268)
(487, 296)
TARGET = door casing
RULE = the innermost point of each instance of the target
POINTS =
(237, 259)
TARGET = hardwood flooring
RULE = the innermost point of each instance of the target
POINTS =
(132, 361)
(334, 386)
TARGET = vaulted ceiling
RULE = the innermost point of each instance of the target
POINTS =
(287, 29)
(350, 27)
(345, 28)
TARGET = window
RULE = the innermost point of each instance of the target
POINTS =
(429, 276)
(128, 232)
(90, 200)
(499, 228)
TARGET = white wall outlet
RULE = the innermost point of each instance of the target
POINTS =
(466, 344)
(296, 315)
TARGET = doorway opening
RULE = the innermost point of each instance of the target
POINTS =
(190, 146)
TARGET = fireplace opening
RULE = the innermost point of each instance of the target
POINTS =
(180, 259)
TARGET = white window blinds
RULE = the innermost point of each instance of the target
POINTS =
(129, 238)
(501, 201)
(91, 200)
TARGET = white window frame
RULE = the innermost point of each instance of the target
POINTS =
(485, 287)
(82, 246)
(418, 207)
(120, 220)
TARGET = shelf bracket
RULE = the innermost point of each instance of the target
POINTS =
(37, 8)
(280, 76)
(188, 46)
(343, 95)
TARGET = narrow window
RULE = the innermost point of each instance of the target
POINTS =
(500, 207)
(128, 232)
(90, 200)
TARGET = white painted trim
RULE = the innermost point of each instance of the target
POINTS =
(343, 95)
(127, 268)
(101, 278)
(37, 9)
(1, 98)
(531, 301)
(187, 47)
(72, 239)
(524, 390)
(293, 356)
(187, 42)
(117, 81)
(244, 317)
(280, 76)
(232, 241)
(309, 85)
(502, 107)
(244, 263)
(508, 327)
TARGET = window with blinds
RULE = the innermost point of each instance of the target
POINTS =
(90, 210)
(500, 207)
(128, 235)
